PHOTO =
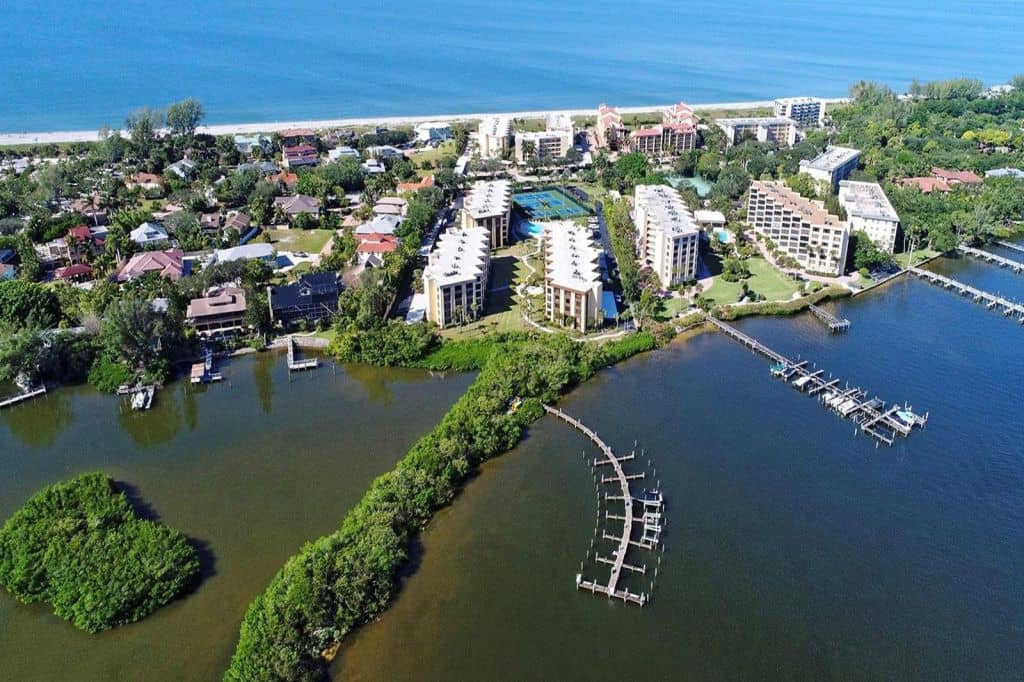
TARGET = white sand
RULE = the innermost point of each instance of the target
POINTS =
(250, 128)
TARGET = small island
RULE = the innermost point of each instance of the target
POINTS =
(79, 546)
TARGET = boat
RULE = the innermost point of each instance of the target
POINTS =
(778, 369)
(802, 381)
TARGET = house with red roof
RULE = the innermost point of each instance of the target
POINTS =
(293, 136)
(404, 187)
(956, 177)
(927, 185)
(285, 180)
(609, 130)
(79, 272)
(300, 155)
(169, 263)
(676, 133)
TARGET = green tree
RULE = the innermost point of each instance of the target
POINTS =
(143, 126)
(183, 117)
(27, 304)
(131, 333)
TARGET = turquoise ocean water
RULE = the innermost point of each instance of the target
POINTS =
(82, 65)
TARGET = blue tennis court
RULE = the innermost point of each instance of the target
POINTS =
(549, 204)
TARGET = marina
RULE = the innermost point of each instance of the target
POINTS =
(996, 259)
(872, 416)
(1009, 308)
(1010, 245)
(644, 511)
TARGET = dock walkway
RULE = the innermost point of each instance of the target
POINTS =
(872, 417)
(990, 257)
(22, 397)
(834, 323)
(1008, 307)
(1011, 246)
(650, 518)
(296, 364)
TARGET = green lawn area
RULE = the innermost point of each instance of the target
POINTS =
(434, 154)
(310, 241)
(914, 257)
(504, 310)
(764, 279)
(674, 306)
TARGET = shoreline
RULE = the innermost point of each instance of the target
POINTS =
(66, 136)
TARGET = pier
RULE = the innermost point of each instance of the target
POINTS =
(1002, 262)
(22, 396)
(648, 517)
(871, 416)
(1011, 246)
(835, 324)
(203, 372)
(295, 363)
(991, 301)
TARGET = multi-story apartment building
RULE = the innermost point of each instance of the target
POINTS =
(799, 227)
(494, 136)
(489, 205)
(609, 130)
(455, 279)
(808, 112)
(553, 142)
(668, 238)
(573, 289)
(772, 129)
(832, 165)
(868, 210)
(676, 133)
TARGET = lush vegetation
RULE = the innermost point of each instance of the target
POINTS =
(733, 312)
(342, 580)
(79, 546)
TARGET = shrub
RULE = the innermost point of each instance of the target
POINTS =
(107, 375)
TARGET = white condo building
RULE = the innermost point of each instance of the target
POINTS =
(832, 165)
(771, 129)
(808, 112)
(668, 238)
(489, 205)
(455, 279)
(799, 227)
(572, 276)
(553, 142)
(494, 136)
(868, 210)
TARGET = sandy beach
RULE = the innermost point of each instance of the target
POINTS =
(56, 137)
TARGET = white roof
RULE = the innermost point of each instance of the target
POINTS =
(148, 232)
(755, 121)
(571, 256)
(246, 252)
(797, 100)
(381, 224)
(1003, 172)
(831, 159)
(665, 210)
(496, 127)
(489, 198)
(460, 256)
(705, 216)
(866, 200)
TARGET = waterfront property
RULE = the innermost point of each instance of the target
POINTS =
(573, 291)
(608, 130)
(802, 229)
(220, 312)
(299, 156)
(489, 206)
(992, 301)
(868, 210)
(668, 237)
(455, 279)
(808, 112)
(311, 299)
(433, 131)
(762, 129)
(552, 143)
(494, 136)
(676, 133)
(832, 165)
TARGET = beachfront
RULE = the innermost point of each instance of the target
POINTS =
(59, 137)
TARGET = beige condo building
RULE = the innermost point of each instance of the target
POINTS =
(573, 289)
(455, 279)
(668, 237)
(489, 206)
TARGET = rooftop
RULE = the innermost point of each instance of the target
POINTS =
(381, 224)
(257, 251)
(496, 127)
(460, 256)
(489, 198)
(866, 200)
(665, 210)
(218, 301)
(813, 212)
(831, 159)
(797, 100)
(571, 256)
(755, 121)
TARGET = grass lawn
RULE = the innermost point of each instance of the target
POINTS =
(434, 154)
(674, 306)
(764, 279)
(504, 310)
(915, 257)
(310, 241)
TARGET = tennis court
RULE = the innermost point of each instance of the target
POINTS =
(549, 204)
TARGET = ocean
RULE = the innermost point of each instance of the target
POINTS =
(78, 66)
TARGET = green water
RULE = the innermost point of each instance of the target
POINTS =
(249, 469)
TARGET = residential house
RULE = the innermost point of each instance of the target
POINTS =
(211, 222)
(184, 169)
(295, 136)
(259, 251)
(246, 143)
(433, 132)
(263, 167)
(1005, 172)
(241, 222)
(78, 272)
(300, 203)
(956, 177)
(313, 298)
(149, 235)
(375, 244)
(384, 151)
(300, 155)
(146, 181)
(286, 181)
(170, 264)
(221, 312)
(391, 206)
(404, 187)
(373, 167)
(342, 152)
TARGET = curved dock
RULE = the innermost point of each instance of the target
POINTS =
(651, 517)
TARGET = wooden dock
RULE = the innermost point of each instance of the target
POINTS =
(1011, 246)
(22, 397)
(835, 324)
(649, 519)
(295, 363)
(990, 257)
(991, 301)
(872, 417)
